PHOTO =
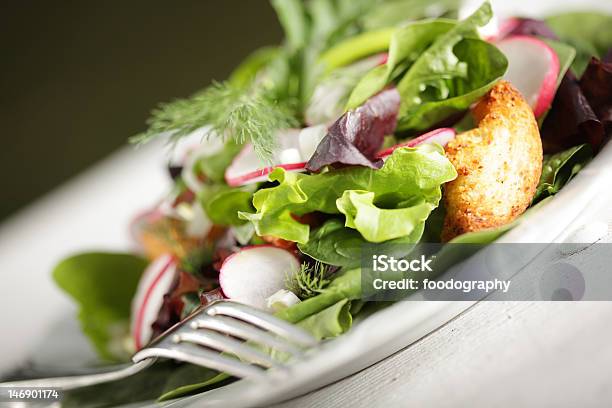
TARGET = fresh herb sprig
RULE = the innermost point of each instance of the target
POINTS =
(246, 115)
(310, 280)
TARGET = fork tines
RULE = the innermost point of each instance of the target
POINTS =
(233, 338)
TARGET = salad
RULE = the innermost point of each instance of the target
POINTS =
(379, 123)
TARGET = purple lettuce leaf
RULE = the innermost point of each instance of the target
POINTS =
(356, 137)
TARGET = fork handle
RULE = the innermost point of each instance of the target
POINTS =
(77, 381)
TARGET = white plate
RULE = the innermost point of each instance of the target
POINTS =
(93, 211)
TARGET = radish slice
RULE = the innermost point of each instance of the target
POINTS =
(246, 166)
(255, 273)
(440, 136)
(533, 68)
(156, 281)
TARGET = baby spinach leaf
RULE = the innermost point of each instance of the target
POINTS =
(485, 66)
(334, 244)
(223, 206)
(405, 46)
(441, 68)
(558, 169)
(104, 307)
(589, 33)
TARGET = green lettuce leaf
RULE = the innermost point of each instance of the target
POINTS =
(104, 307)
(382, 224)
(329, 322)
(345, 286)
(410, 176)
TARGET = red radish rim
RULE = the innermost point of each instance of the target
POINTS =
(414, 142)
(140, 314)
(237, 181)
(545, 99)
(384, 57)
(264, 171)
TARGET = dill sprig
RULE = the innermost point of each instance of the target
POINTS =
(246, 115)
(310, 280)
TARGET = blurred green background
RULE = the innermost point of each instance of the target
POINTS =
(78, 78)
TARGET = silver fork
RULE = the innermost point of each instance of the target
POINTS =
(222, 336)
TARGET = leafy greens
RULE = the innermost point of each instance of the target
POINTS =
(411, 177)
(441, 67)
(558, 169)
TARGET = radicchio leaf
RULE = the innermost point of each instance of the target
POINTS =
(356, 137)
(596, 84)
(571, 120)
(173, 304)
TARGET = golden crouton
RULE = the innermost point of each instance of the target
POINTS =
(498, 164)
